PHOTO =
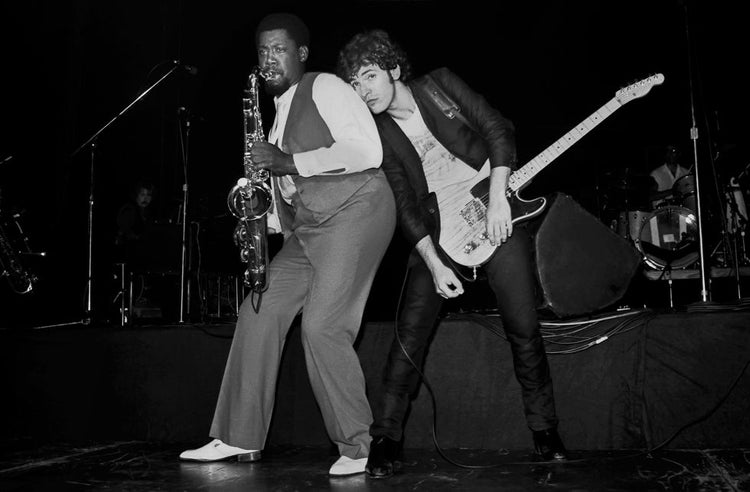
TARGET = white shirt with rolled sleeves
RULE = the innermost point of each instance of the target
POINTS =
(356, 145)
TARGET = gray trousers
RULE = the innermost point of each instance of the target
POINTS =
(325, 269)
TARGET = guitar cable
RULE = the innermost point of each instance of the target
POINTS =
(646, 452)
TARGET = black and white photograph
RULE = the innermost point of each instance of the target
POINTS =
(374, 245)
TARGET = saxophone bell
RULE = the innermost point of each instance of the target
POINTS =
(250, 200)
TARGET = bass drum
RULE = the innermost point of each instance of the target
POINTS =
(668, 238)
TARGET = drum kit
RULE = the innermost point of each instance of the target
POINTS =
(666, 233)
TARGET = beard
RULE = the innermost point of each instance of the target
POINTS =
(277, 87)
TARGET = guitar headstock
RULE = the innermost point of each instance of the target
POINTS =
(639, 89)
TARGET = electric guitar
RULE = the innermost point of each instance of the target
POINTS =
(463, 235)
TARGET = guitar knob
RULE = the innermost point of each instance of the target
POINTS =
(469, 247)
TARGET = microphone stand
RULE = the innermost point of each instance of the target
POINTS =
(91, 143)
(184, 135)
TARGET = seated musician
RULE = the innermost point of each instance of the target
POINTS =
(133, 219)
(665, 176)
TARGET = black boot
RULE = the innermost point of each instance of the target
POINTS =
(383, 452)
(549, 446)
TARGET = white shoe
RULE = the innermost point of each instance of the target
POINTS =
(216, 450)
(347, 466)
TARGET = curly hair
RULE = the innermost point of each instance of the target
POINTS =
(373, 47)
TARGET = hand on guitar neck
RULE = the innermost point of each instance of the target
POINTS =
(463, 233)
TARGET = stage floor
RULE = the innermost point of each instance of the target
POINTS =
(140, 466)
(647, 399)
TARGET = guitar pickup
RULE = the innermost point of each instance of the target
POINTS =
(473, 212)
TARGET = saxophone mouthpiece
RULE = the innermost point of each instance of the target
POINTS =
(265, 74)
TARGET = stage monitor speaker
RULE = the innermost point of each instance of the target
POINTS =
(582, 265)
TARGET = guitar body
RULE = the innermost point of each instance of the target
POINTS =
(463, 213)
(463, 206)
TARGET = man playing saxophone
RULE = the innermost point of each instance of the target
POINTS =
(337, 212)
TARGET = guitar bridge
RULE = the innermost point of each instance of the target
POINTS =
(474, 212)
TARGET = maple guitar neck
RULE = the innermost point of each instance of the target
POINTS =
(522, 176)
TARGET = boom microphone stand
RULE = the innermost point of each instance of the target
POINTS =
(91, 143)
(704, 268)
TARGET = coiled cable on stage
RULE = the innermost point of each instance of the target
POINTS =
(571, 336)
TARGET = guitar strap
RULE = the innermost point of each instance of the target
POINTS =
(442, 100)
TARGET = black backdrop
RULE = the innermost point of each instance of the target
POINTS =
(70, 67)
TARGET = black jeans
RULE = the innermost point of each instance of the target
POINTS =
(511, 277)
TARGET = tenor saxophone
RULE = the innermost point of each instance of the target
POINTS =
(251, 198)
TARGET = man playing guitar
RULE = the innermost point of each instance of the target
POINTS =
(437, 134)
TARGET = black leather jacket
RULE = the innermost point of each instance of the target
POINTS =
(484, 134)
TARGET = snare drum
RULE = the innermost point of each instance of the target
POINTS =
(669, 238)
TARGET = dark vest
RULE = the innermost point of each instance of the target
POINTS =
(306, 130)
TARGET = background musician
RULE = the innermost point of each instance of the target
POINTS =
(666, 175)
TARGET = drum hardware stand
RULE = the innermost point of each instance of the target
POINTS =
(668, 274)
(721, 260)
(731, 222)
(125, 295)
(91, 144)
(738, 225)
